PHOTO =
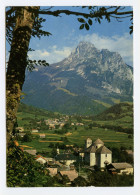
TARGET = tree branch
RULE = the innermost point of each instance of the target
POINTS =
(91, 15)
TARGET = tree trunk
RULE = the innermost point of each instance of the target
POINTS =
(15, 75)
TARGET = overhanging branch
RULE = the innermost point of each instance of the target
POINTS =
(91, 15)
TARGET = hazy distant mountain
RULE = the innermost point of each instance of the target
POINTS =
(86, 82)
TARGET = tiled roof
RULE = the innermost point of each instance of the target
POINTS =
(103, 150)
(89, 138)
(53, 171)
(33, 152)
(91, 149)
(121, 165)
(98, 141)
(72, 174)
(39, 156)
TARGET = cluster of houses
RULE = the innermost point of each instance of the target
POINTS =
(52, 123)
(94, 153)
(61, 165)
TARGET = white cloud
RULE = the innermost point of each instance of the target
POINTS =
(38, 54)
(64, 52)
(121, 44)
(54, 55)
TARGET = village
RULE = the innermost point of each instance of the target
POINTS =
(73, 148)
(71, 162)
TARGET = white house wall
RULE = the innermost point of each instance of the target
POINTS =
(126, 171)
(105, 158)
(98, 145)
(68, 162)
(92, 159)
(41, 160)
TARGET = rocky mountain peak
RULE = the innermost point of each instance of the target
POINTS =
(88, 74)
(84, 48)
(86, 44)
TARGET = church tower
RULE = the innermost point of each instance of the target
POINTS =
(98, 143)
(88, 142)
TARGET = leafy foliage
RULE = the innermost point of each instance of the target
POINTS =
(99, 13)
(102, 179)
(80, 182)
(27, 137)
(120, 155)
(31, 64)
(24, 171)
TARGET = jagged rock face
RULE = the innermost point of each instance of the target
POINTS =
(87, 73)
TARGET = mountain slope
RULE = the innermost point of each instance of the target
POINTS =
(119, 117)
(84, 83)
(117, 111)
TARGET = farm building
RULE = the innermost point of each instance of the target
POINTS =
(120, 168)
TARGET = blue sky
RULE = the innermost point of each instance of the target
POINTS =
(66, 36)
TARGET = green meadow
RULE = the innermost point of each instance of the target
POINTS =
(75, 135)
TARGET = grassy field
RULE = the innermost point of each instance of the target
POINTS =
(76, 136)
(109, 137)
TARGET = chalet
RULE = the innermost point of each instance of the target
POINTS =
(97, 154)
(120, 168)
(66, 158)
(40, 159)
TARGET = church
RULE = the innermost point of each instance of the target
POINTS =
(97, 154)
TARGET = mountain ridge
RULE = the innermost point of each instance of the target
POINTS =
(89, 73)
